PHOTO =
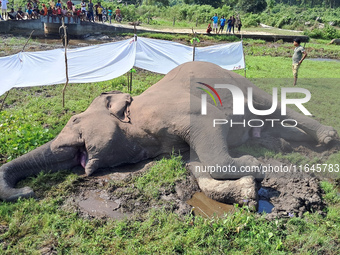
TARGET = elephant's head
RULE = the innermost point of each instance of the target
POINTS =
(90, 139)
(95, 131)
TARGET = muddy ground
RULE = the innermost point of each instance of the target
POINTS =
(111, 193)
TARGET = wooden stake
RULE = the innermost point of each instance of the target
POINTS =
(3, 102)
(194, 42)
(130, 88)
(27, 40)
(66, 66)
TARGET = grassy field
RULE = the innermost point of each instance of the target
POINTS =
(34, 116)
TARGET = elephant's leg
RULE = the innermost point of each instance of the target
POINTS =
(294, 134)
(274, 143)
(210, 144)
(319, 132)
(241, 191)
(277, 138)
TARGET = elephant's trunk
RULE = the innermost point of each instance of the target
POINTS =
(40, 159)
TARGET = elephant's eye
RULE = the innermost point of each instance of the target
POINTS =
(75, 120)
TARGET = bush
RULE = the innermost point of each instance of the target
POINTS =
(251, 20)
(327, 33)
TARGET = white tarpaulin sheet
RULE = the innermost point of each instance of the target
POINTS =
(107, 61)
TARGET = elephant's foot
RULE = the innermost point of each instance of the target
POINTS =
(241, 191)
(238, 168)
(325, 134)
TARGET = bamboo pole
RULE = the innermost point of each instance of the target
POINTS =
(66, 66)
(130, 88)
(194, 42)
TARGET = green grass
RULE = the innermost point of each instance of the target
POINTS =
(162, 175)
(35, 115)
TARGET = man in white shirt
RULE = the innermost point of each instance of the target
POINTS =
(4, 9)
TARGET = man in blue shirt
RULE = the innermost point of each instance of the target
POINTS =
(222, 23)
(215, 22)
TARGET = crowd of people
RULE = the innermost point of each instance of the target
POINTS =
(219, 24)
(34, 10)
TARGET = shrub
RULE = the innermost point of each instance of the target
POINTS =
(327, 33)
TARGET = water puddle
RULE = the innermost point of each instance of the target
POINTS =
(207, 208)
(265, 206)
(97, 206)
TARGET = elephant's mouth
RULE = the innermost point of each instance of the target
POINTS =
(82, 157)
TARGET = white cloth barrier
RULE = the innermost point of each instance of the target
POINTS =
(110, 60)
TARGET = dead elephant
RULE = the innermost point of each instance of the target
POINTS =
(118, 129)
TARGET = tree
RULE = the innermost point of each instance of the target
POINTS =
(270, 5)
(254, 6)
(213, 3)
(156, 2)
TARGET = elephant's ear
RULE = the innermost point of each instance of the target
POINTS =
(119, 106)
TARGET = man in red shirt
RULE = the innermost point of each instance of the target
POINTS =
(69, 5)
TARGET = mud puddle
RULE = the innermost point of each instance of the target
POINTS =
(97, 206)
(206, 207)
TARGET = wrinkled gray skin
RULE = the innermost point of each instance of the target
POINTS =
(117, 129)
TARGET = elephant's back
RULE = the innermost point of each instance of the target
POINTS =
(185, 76)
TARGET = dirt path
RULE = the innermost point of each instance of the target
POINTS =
(182, 30)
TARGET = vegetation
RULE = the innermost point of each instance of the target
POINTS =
(33, 116)
(287, 14)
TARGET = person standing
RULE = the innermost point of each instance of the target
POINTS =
(299, 55)
(69, 5)
(238, 23)
(233, 23)
(52, 4)
(229, 25)
(4, 9)
(58, 4)
(109, 13)
(215, 22)
(222, 24)
(83, 7)
(90, 11)
(118, 15)
(100, 12)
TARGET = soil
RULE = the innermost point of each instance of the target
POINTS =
(111, 194)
